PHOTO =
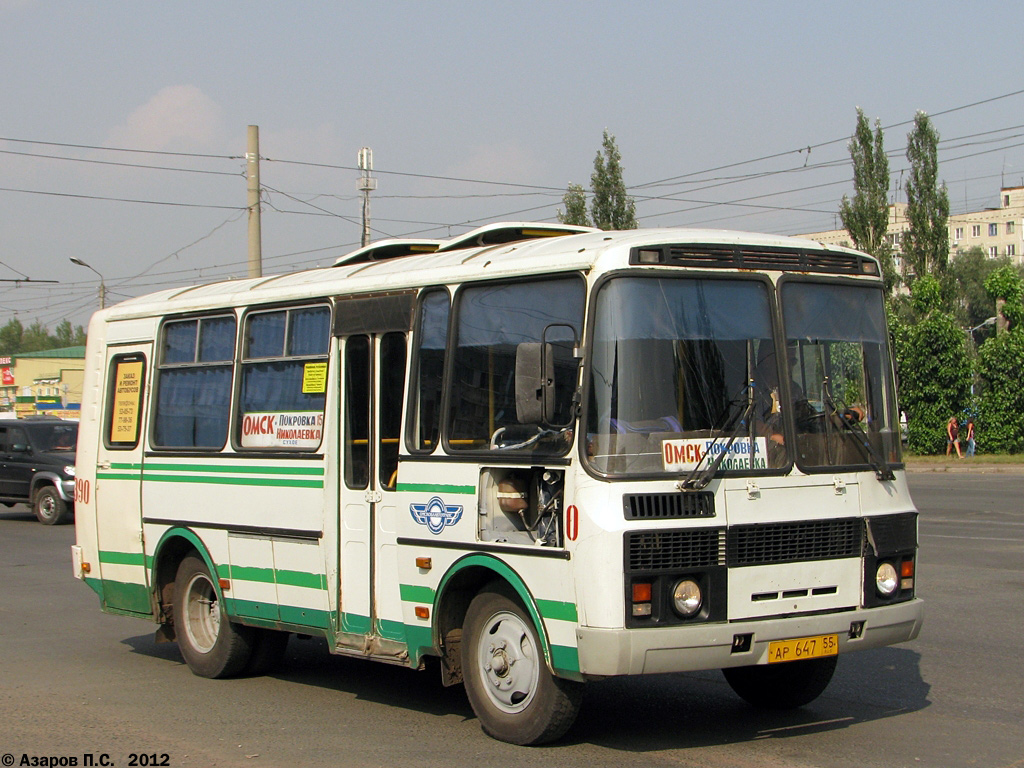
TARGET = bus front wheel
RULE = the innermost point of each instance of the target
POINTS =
(211, 645)
(782, 686)
(507, 680)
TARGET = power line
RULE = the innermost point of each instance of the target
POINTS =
(124, 199)
(120, 165)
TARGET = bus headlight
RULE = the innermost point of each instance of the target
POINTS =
(686, 598)
(886, 579)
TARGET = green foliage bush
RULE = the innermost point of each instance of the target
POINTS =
(934, 368)
(1000, 423)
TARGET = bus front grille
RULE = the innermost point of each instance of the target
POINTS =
(795, 542)
(675, 550)
(743, 545)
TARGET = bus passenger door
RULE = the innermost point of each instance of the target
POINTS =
(373, 379)
(118, 491)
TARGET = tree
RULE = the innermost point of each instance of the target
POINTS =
(866, 216)
(1005, 287)
(611, 207)
(15, 338)
(1001, 368)
(926, 242)
(575, 202)
(36, 338)
(934, 368)
(969, 271)
(11, 337)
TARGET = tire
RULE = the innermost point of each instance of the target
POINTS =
(782, 686)
(211, 645)
(507, 680)
(268, 647)
(49, 507)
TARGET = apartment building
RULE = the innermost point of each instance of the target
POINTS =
(997, 231)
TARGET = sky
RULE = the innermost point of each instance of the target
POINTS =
(123, 124)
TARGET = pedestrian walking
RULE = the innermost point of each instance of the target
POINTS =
(969, 437)
(953, 436)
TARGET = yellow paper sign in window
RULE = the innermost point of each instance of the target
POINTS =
(314, 378)
(124, 421)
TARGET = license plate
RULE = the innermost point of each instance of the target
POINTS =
(803, 648)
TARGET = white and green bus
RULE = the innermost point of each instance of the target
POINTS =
(542, 455)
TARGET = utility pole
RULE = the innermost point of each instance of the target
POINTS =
(252, 172)
(366, 185)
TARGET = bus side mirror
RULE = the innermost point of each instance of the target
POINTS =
(535, 384)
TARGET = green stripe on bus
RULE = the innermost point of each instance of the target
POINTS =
(302, 579)
(122, 558)
(271, 612)
(436, 488)
(272, 576)
(309, 617)
(254, 469)
(122, 596)
(353, 622)
(565, 658)
(118, 476)
(247, 573)
(552, 609)
(264, 481)
(413, 594)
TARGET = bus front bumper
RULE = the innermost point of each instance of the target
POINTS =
(608, 652)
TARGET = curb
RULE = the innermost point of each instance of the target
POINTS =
(968, 467)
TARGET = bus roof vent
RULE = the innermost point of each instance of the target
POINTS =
(724, 256)
(387, 249)
(511, 232)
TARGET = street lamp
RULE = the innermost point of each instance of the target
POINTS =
(103, 287)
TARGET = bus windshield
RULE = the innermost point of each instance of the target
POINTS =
(841, 389)
(678, 366)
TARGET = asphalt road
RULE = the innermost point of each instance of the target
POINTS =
(76, 682)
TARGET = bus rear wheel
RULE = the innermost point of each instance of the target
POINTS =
(211, 645)
(782, 686)
(507, 680)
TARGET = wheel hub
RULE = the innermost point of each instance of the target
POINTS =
(509, 660)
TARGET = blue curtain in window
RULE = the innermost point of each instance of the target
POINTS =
(193, 405)
(217, 339)
(309, 331)
(266, 335)
(277, 387)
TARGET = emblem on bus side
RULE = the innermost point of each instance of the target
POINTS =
(435, 514)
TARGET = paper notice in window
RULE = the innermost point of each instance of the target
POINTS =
(314, 378)
(124, 422)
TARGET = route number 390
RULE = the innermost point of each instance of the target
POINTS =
(81, 491)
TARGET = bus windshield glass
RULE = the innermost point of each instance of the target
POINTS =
(841, 389)
(679, 366)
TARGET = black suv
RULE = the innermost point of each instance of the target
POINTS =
(37, 466)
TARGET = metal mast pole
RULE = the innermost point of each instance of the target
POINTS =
(366, 185)
(252, 167)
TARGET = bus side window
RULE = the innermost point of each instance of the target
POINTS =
(392, 382)
(357, 412)
(193, 393)
(284, 378)
(424, 424)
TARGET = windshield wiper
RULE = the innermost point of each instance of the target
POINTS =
(878, 463)
(698, 478)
